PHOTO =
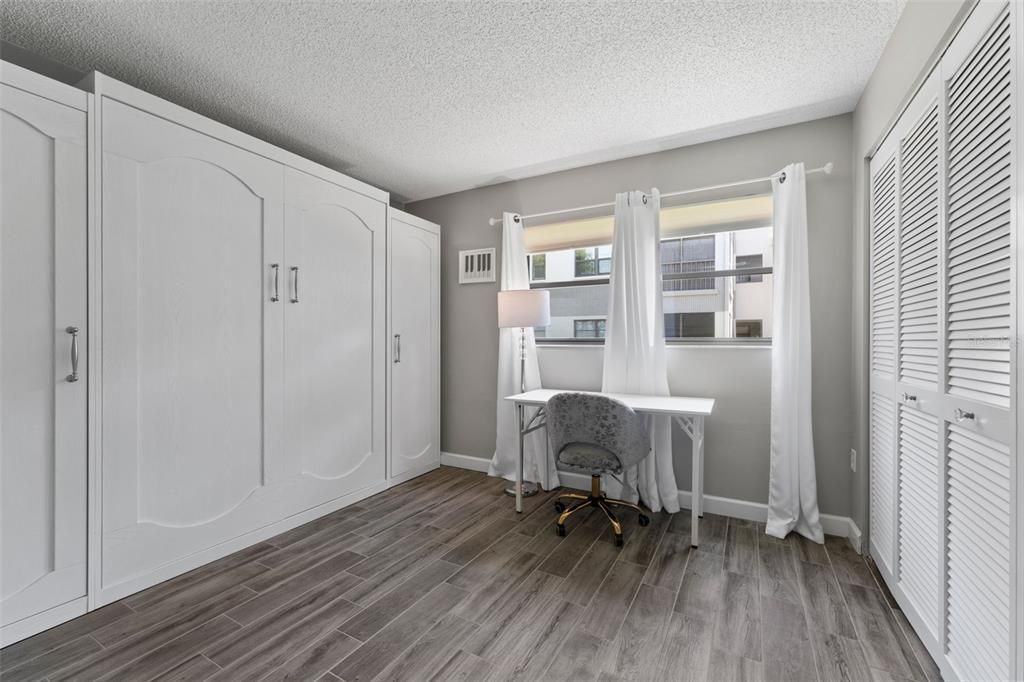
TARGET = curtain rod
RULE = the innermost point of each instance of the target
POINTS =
(826, 169)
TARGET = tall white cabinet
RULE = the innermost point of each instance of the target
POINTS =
(335, 326)
(43, 352)
(191, 360)
(243, 356)
(945, 394)
(414, 296)
(195, 344)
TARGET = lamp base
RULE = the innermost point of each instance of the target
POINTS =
(529, 489)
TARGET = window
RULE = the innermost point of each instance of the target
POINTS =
(751, 261)
(595, 261)
(707, 294)
(696, 254)
(689, 325)
(748, 329)
(538, 267)
(588, 329)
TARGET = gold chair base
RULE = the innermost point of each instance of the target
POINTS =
(596, 499)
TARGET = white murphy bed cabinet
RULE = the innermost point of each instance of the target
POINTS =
(414, 295)
(238, 326)
(946, 474)
(43, 324)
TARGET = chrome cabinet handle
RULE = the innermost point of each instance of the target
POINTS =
(963, 415)
(397, 351)
(74, 353)
(277, 283)
(295, 284)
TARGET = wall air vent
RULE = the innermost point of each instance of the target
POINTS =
(476, 265)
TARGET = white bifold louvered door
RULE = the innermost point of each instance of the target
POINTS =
(906, 487)
(982, 134)
(944, 246)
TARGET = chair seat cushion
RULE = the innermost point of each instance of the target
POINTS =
(587, 458)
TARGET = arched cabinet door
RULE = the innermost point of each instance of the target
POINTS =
(414, 304)
(192, 247)
(42, 396)
(334, 338)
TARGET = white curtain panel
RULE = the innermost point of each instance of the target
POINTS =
(538, 466)
(792, 486)
(634, 345)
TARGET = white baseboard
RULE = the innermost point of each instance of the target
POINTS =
(22, 629)
(450, 459)
(843, 526)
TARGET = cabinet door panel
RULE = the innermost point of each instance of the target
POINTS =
(42, 414)
(415, 327)
(191, 343)
(334, 333)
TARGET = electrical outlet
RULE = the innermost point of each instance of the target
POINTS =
(853, 459)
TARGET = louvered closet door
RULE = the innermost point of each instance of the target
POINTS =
(884, 202)
(919, 456)
(978, 72)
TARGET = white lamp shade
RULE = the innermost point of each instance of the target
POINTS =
(524, 308)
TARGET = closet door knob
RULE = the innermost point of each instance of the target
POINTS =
(74, 353)
(295, 284)
(276, 296)
(963, 415)
(907, 398)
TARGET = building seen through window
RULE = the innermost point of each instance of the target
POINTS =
(706, 293)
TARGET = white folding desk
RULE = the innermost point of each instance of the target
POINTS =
(689, 413)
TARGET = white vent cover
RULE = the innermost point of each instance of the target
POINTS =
(476, 265)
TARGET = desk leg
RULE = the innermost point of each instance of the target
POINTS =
(697, 486)
(694, 495)
(519, 469)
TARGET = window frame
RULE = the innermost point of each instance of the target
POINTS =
(596, 280)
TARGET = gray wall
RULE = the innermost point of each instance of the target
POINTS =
(922, 31)
(737, 438)
(18, 55)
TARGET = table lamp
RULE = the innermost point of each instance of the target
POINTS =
(523, 308)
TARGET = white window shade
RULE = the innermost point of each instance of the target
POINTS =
(677, 221)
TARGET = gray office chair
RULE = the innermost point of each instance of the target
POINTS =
(595, 435)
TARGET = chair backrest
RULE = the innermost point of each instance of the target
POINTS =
(598, 420)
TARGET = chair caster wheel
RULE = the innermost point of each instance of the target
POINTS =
(619, 542)
(645, 520)
(560, 530)
(559, 507)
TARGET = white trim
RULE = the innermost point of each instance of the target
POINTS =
(452, 459)
(41, 86)
(26, 627)
(843, 526)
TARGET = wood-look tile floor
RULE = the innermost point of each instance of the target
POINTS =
(439, 579)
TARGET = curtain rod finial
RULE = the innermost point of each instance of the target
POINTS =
(829, 167)
(494, 221)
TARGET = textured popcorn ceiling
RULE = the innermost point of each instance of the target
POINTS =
(426, 98)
